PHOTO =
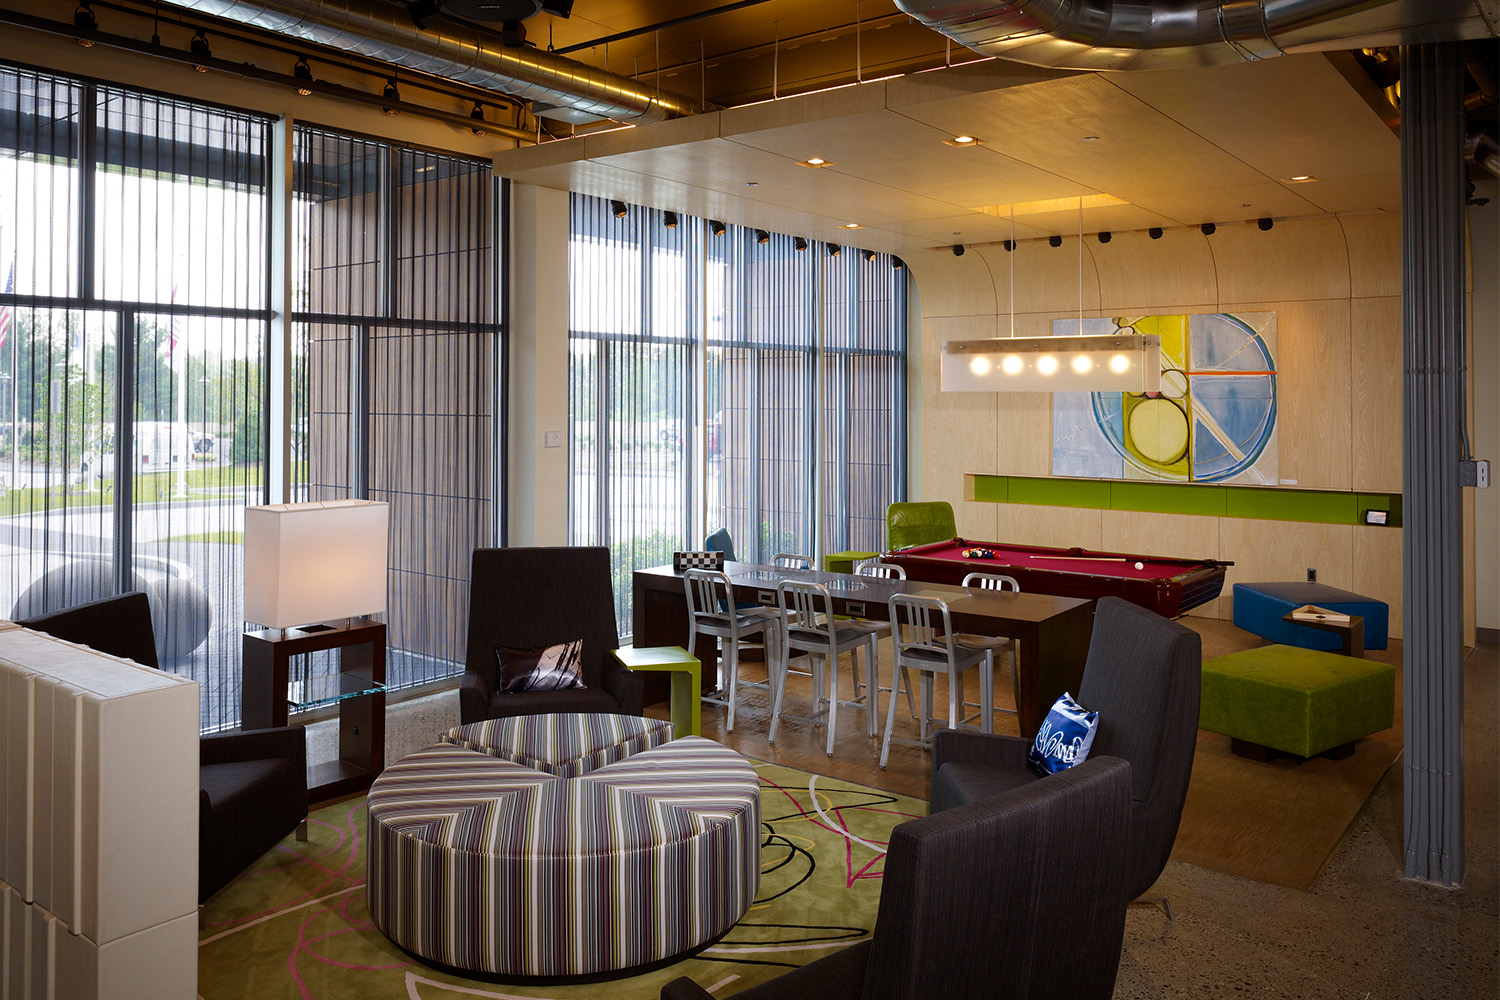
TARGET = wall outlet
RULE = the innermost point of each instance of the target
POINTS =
(855, 608)
(766, 597)
(1312, 575)
(552, 439)
(1476, 473)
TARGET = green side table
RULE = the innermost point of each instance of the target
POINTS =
(843, 562)
(687, 710)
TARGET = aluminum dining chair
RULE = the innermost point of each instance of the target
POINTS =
(995, 644)
(712, 614)
(880, 629)
(922, 637)
(809, 626)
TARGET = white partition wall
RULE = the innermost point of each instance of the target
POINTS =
(99, 857)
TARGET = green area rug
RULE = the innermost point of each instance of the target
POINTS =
(295, 925)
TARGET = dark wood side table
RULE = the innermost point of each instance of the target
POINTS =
(358, 690)
(1350, 633)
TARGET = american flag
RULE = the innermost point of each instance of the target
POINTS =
(10, 286)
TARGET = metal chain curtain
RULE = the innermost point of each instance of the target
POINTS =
(134, 247)
(396, 334)
(767, 381)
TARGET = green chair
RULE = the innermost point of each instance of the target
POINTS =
(908, 524)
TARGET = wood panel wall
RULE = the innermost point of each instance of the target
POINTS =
(1335, 286)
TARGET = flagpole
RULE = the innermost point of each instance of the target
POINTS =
(180, 432)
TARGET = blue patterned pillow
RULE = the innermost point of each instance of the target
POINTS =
(1065, 737)
(546, 668)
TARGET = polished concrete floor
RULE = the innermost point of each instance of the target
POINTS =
(1362, 930)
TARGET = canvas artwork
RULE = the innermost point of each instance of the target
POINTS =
(1213, 420)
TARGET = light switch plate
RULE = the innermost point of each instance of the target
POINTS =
(552, 439)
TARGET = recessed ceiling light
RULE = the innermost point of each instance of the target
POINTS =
(851, 225)
(816, 161)
(752, 184)
(1091, 138)
(1299, 179)
(963, 141)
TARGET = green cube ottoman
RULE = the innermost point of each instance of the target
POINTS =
(1300, 701)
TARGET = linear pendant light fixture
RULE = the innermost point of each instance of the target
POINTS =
(1116, 362)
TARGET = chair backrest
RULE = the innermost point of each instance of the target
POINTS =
(920, 623)
(992, 581)
(791, 560)
(119, 626)
(885, 571)
(720, 541)
(908, 524)
(708, 599)
(1143, 676)
(529, 597)
(804, 607)
(1020, 895)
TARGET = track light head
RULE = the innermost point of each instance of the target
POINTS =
(200, 50)
(1055, 241)
(1208, 228)
(958, 249)
(392, 94)
(669, 219)
(868, 255)
(1154, 232)
(717, 228)
(799, 244)
(478, 115)
(1106, 236)
(834, 249)
(303, 72)
(84, 20)
(1009, 245)
(619, 208)
(762, 237)
(1265, 224)
(897, 263)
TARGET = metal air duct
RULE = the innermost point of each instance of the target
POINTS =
(559, 88)
(1167, 34)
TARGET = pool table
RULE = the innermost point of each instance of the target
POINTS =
(1170, 587)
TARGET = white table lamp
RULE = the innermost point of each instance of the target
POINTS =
(314, 562)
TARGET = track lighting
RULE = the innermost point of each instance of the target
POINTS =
(1055, 241)
(762, 237)
(868, 255)
(897, 263)
(717, 228)
(200, 50)
(834, 249)
(1265, 224)
(669, 219)
(83, 20)
(392, 94)
(1208, 228)
(303, 72)
(799, 244)
(1154, 232)
(1105, 237)
(478, 115)
(1009, 245)
(618, 208)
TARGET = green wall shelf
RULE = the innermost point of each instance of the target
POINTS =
(1256, 502)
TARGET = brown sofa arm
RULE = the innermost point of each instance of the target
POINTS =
(627, 687)
(951, 745)
(683, 988)
(289, 742)
(473, 698)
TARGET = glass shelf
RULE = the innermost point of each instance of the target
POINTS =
(317, 692)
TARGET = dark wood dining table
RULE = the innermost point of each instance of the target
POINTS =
(1052, 633)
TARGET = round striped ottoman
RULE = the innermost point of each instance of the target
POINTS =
(562, 845)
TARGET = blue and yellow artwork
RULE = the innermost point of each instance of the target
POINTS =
(1212, 421)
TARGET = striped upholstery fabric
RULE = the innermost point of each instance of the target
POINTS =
(570, 860)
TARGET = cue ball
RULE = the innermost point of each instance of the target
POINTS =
(1140, 565)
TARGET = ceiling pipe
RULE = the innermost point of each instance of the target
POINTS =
(558, 88)
(1177, 34)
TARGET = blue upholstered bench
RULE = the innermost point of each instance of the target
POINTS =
(1259, 607)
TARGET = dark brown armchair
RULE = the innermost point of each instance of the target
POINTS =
(1142, 676)
(1018, 896)
(525, 598)
(252, 786)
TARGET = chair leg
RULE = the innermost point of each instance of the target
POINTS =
(732, 654)
(872, 685)
(1163, 902)
(911, 705)
(987, 691)
(927, 695)
(890, 714)
(777, 668)
(832, 667)
(302, 830)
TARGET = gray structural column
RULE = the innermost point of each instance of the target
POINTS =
(1432, 320)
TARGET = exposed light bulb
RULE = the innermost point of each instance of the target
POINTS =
(979, 365)
(1046, 364)
(1119, 364)
(1012, 364)
(1083, 364)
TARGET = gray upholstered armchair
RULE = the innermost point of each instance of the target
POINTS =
(252, 785)
(1020, 895)
(526, 598)
(1142, 676)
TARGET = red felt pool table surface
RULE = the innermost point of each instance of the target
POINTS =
(1168, 586)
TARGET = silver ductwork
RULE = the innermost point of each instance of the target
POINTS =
(1167, 34)
(559, 88)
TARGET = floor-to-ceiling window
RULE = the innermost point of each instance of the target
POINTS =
(729, 377)
(396, 358)
(133, 327)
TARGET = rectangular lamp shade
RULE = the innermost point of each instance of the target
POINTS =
(314, 562)
(1102, 363)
